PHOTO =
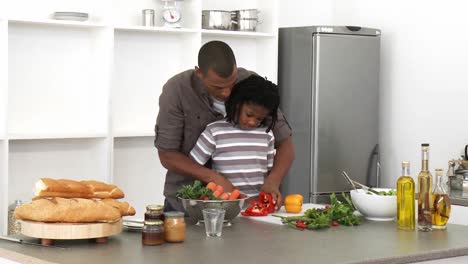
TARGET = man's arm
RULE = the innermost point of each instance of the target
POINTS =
(283, 160)
(181, 164)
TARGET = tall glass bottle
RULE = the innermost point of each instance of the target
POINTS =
(405, 199)
(441, 205)
(425, 192)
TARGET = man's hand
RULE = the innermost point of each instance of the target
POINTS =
(273, 189)
(223, 181)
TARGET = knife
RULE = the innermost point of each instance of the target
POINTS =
(22, 241)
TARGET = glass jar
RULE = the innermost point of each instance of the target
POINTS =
(152, 233)
(154, 212)
(174, 226)
(14, 225)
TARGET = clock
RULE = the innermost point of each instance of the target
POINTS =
(171, 14)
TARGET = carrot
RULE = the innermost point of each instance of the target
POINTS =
(234, 194)
(224, 196)
(220, 188)
(211, 186)
(216, 193)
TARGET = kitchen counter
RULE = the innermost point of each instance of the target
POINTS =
(249, 241)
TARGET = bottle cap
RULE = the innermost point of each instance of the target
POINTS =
(425, 145)
(157, 222)
(173, 214)
(155, 207)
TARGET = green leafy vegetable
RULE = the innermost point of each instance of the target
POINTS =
(337, 213)
(391, 192)
(195, 191)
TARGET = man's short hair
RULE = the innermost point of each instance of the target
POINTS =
(218, 56)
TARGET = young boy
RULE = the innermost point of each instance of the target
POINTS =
(241, 146)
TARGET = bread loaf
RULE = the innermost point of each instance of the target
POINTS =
(75, 210)
(47, 187)
(124, 207)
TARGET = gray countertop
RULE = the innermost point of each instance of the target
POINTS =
(250, 241)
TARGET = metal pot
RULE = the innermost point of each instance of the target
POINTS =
(246, 19)
(217, 19)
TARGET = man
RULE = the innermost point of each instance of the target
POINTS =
(191, 100)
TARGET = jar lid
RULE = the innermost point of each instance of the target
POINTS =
(157, 222)
(155, 207)
(174, 214)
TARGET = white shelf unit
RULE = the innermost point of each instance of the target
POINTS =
(79, 100)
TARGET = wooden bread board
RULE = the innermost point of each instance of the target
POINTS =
(70, 230)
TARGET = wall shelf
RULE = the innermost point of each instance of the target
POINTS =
(157, 29)
(79, 100)
(55, 22)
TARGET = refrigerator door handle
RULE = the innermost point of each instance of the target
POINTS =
(378, 173)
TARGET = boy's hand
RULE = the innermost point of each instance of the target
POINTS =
(273, 189)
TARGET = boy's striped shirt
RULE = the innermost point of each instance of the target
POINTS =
(243, 156)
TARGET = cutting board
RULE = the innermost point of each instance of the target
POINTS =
(51, 231)
(282, 212)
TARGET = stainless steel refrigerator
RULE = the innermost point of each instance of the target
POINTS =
(329, 83)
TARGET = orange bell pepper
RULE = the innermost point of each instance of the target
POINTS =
(293, 203)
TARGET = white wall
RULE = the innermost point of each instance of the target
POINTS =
(424, 75)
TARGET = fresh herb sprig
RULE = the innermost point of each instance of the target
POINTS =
(195, 191)
(337, 213)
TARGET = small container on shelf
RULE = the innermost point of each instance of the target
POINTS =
(174, 226)
(152, 233)
(14, 225)
(154, 212)
(148, 17)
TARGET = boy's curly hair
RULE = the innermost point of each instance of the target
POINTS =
(255, 90)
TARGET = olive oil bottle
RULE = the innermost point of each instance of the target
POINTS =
(425, 201)
(405, 199)
(441, 211)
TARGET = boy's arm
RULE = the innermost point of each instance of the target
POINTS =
(283, 161)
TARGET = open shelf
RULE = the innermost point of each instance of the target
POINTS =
(246, 34)
(3, 182)
(138, 171)
(55, 22)
(79, 100)
(53, 136)
(64, 88)
(157, 29)
(30, 160)
(3, 77)
(142, 65)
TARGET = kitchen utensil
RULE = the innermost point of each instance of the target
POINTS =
(354, 183)
(217, 19)
(22, 241)
(375, 207)
(246, 19)
(364, 187)
(50, 231)
(345, 175)
(194, 208)
(75, 16)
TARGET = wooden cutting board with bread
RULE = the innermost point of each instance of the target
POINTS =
(69, 209)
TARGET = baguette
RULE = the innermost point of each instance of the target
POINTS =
(103, 190)
(124, 207)
(62, 210)
(64, 188)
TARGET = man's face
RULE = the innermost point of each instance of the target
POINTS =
(251, 115)
(218, 87)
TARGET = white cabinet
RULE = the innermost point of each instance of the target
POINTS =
(79, 99)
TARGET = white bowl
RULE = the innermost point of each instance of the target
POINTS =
(375, 207)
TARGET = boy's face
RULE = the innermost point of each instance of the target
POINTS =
(251, 115)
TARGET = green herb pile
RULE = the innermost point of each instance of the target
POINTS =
(391, 192)
(337, 213)
(195, 191)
